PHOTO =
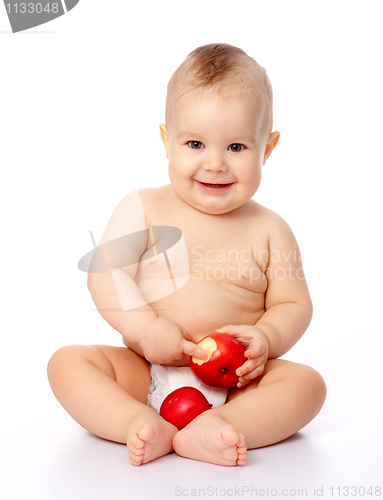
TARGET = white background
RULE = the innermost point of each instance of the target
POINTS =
(81, 99)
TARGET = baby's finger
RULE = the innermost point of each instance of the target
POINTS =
(224, 329)
(239, 332)
(186, 335)
(195, 350)
(229, 329)
(255, 349)
(248, 366)
(251, 375)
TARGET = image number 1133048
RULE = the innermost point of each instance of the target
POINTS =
(25, 15)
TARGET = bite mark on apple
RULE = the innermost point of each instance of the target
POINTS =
(209, 345)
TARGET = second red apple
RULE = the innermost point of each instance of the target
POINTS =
(183, 405)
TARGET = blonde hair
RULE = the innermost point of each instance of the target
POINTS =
(227, 69)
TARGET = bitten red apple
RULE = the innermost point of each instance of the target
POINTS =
(226, 354)
(183, 405)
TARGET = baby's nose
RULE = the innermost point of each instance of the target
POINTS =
(215, 162)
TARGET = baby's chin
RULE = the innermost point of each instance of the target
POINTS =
(210, 211)
(217, 208)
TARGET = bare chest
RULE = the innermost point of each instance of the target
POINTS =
(220, 256)
(231, 261)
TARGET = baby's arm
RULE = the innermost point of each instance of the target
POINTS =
(159, 340)
(288, 306)
(119, 300)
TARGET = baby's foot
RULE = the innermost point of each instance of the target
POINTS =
(149, 437)
(210, 438)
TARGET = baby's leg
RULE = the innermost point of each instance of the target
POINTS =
(274, 406)
(105, 390)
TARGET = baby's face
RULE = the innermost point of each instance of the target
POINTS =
(216, 149)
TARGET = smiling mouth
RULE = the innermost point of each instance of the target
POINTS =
(208, 184)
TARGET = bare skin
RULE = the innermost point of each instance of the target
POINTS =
(220, 436)
(246, 280)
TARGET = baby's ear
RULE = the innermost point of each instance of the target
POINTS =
(165, 138)
(271, 143)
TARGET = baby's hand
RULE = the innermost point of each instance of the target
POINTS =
(165, 341)
(257, 350)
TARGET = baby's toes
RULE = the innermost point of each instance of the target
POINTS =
(135, 461)
(241, 460)
(241, 450)
(136, 453)
(136, 443)
(136, 456)
(230, 436)
(236, 451)
(241, 443)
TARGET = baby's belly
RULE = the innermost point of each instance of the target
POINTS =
(204, 308)
(204, 302)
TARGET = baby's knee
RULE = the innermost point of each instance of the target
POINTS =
(57, 359)
(313, 386)
(307, 384)
(61, 355)
(65, 359)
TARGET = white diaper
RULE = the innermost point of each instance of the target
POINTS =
(166, 379)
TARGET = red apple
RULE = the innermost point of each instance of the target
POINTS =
(183, 405)
(226, 354)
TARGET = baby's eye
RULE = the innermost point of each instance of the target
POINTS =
(195, 144)
(236, 147)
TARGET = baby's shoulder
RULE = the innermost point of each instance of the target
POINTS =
(272, 223)
(150, 196)
(264, 214)
(148, 193)
(153, 201)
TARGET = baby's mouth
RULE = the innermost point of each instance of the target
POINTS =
(208, 184)
(214, 188)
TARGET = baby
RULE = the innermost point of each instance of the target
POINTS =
(201, 256)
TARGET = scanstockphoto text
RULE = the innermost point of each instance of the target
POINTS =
(244, 491)
(168, 264)
(231, 264)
